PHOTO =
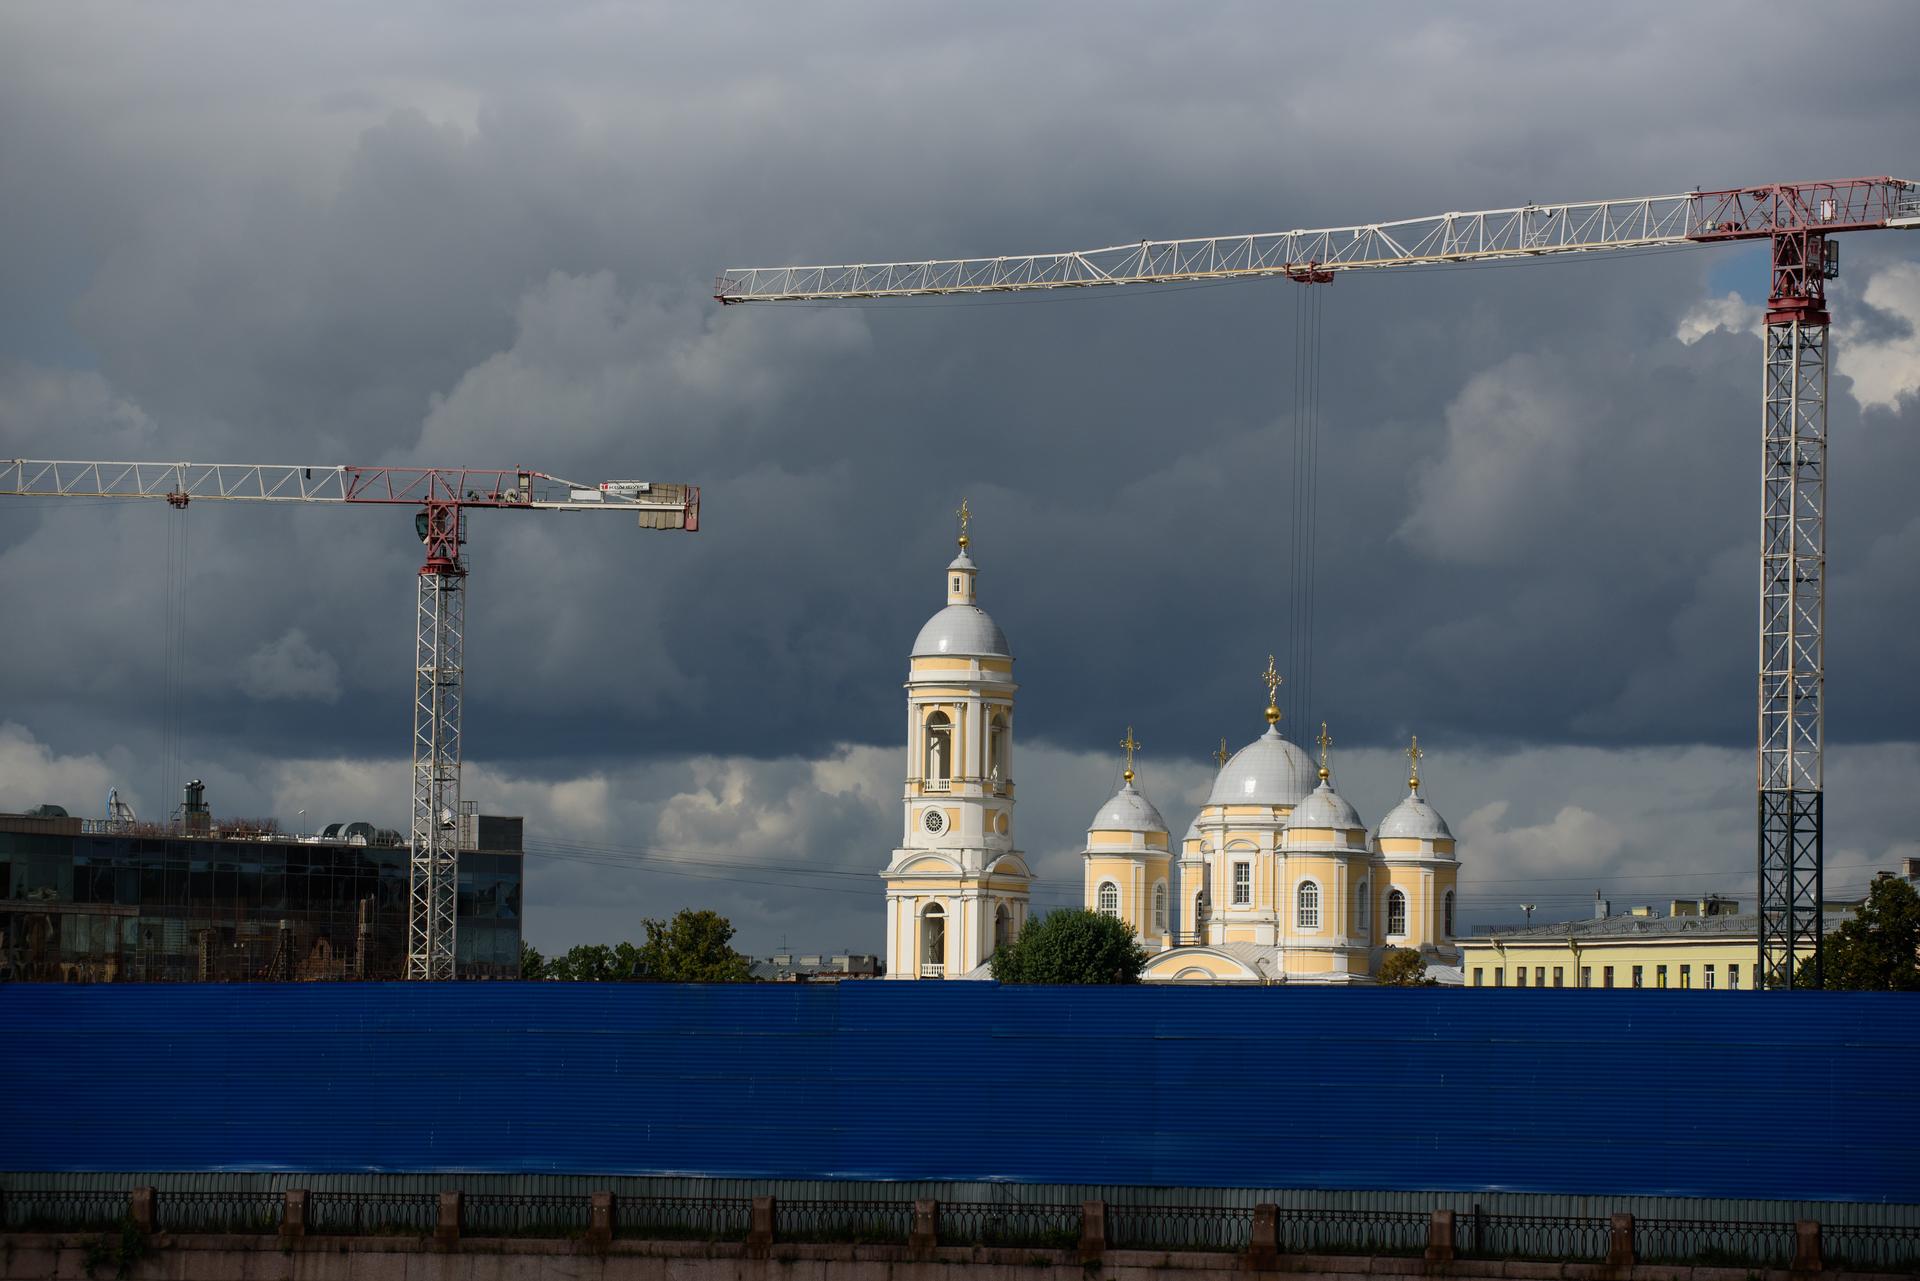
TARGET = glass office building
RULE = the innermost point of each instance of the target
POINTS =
(83, 901)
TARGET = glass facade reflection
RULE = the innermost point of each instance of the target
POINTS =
(88, 906)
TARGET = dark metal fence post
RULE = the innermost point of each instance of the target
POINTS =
(1620, 1242)
(1093, 1231)
(1806, 1245)
(760, 1227)
(143, 1209)
(1440, 1237)
(1478, 1247)
(1263, 1248)
(926, 1229)
(446, 1231)
(600, 1219)
(293, 1215)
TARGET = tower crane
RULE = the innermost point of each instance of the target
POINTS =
(1798, 220)
(442, 496)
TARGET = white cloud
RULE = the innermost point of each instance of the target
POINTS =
(31, 774)
(1731, 314)
(291, 669)
(1884, 369)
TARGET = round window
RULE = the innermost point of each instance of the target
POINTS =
(935, 820)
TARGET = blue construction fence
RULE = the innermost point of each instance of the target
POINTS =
(1773, 1095)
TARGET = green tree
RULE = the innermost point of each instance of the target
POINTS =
(694, 947)
(1072, 946)
(596, 963)
(1402, 967)
(1879, 949)
(532, 964)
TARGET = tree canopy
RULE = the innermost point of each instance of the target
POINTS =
(1402, 967)
(694, 947)
(1072, 946)
(1879, 949)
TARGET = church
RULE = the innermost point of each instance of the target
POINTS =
(1277, 880)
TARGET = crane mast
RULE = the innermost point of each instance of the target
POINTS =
(1798, 219)
(442, 495)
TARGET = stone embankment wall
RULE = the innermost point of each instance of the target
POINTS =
(129, 1257)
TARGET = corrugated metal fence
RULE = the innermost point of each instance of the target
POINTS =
(1585, 1099)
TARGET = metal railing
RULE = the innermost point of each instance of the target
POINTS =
(1728, 1242)
(1871, 1248)
(1352, 1231)
(235, 1212)
(1009, 1223)
(1178, 1227)
(683, 1218)
(861, 1222)
(57, 1209)
(373, 1213)
(1480, 1235)
(1004, 1222)
(530, 1214)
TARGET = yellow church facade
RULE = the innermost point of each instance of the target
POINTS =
(1278, 880)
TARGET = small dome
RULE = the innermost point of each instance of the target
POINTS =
(1267, 771)
(1128, 811)
(961, 629)
(1325, 808)
(1416, 819)
(962, 561)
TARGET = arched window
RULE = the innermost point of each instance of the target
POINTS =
(1362, 909)
(938, 766)
(1396, 913)
(1002, 927)
(1447, 921)
(933, 942)
(1160, 907)
(1108, 899)
(1307, 915)
(997, 770)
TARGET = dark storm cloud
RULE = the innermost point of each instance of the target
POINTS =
(449, 235)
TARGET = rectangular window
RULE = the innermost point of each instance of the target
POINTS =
(1499, 976)
(1686, 977)
(1659, 976)
(1242, 884)
(1636, 976)
(1733, 977)
(1586, 976)
(1539, 976)
(1558, 975)
(1606, 976)
(1709, 978)
(1477, 974)
(1519, 976)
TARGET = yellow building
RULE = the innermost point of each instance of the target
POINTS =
(956, 886)
(1693, 947)
(1280, 881)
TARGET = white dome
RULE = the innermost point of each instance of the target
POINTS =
(1416, 819)
(961, 629)
(1267, 771)
(1128, 811)
(1325, 808)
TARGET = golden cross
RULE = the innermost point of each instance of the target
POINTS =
(1414, 755)
(1326, 742)
(1272, 678)
(1132, 747)
(966, 517)
(1221, 755)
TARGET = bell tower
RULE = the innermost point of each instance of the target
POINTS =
(956, 886)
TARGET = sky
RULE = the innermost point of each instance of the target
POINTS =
(486, 235)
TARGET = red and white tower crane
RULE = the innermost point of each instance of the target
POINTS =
(1798, 219)
(442, 495)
